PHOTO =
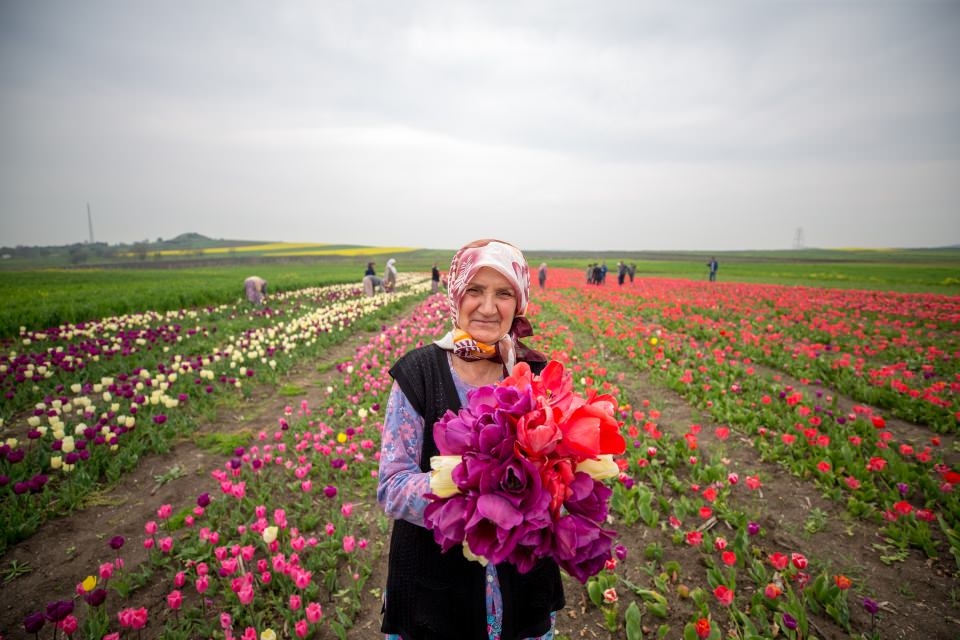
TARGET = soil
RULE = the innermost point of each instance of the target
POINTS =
(918, 596)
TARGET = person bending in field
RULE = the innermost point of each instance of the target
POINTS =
(371, 281)
(255, 288)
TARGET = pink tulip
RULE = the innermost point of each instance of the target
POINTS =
(349, 544)
(301, 628)
(314, 612)
(68, 625)
(295, 602)
(226, 622)
(302, 578)
(133, 618)
(175, 600)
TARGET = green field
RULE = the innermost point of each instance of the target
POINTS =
(37, 296)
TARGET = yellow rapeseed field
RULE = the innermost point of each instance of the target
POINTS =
(288, 249)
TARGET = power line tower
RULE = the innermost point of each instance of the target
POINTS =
(798, 242)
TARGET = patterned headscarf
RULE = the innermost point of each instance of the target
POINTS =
(507, 260)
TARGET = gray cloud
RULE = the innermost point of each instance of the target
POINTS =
(617, 125)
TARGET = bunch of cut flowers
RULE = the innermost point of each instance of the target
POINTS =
(520, 473)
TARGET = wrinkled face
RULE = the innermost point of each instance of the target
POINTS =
(488, 306)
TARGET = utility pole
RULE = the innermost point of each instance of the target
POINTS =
(90, 222)
(798, 242)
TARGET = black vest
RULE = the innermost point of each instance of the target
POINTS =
(442, 596)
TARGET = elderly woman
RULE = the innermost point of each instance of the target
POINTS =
(429, 594)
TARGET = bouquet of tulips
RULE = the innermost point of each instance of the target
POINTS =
(520, 470)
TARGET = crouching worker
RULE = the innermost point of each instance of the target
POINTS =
(255, 288)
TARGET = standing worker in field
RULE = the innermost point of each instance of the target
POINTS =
(434, 279)
(432, 595)
(542, 275)
(255, 288)
(712, 266)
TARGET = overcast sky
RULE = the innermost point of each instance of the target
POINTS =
(701, 125)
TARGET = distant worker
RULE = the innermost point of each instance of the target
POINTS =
(632, 271)
(390, 275)
(434, 279)
(542, 275)
(621, 272)
(371, 282)
(256, 289)
(713, 265)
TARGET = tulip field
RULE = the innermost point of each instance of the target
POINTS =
(792, 463)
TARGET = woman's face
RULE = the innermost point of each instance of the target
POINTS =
(488, 306)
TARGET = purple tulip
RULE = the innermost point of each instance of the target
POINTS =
(34, 622)
(37, 482)
(871, 606)
(448, 519)
(789, 622)
(116, 542)
(753, 528)
(203, 500)
(454, 434)
(330, 491)
(57, 611)
(96, 597)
